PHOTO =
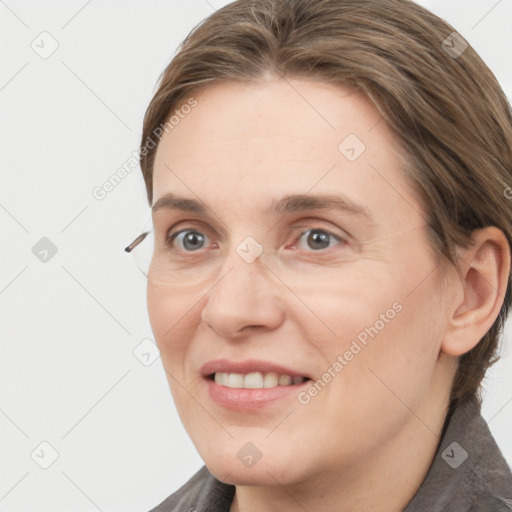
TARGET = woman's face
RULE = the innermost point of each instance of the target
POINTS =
(269, 282)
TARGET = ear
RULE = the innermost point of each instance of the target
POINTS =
(485, 269)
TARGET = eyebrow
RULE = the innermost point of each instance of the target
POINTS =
(288, 204)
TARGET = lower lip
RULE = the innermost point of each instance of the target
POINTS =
(250, 399)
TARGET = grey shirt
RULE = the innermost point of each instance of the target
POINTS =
(468, 474)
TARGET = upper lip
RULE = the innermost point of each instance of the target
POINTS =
(247, 366)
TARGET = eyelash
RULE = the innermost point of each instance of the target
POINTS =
(172, 236)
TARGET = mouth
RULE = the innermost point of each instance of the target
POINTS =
(255, 380)
(251, 385)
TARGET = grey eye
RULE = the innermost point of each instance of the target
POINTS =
(191, 240)
(318, 239)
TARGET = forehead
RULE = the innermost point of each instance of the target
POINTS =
(292, 110)
(249, 142)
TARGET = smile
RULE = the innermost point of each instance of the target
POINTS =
(251, 384)
(255, 380)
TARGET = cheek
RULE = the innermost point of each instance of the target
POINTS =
(173, 317)
(384, 326)
(379, 377)
(397, 363)
(159, 312)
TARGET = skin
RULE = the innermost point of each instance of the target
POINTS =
(365, 442)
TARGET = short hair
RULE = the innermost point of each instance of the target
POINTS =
(447, 110)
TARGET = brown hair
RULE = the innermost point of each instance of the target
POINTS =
(448, 112)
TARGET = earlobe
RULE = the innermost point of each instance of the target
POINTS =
(485, 269)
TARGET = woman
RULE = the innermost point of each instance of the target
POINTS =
(331, 262)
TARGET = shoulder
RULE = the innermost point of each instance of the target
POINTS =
(468, 472)
(202, 493)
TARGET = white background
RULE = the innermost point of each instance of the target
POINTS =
(69, 326)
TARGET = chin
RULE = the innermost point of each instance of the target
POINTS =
(261, 476)
(268, 471)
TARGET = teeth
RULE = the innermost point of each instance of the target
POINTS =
(255, 380)
(234, 380)
(285, 380)
(221, 378)
(271, 380)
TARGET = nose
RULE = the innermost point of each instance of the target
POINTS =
(244, 300)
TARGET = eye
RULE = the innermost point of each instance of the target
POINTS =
(319, 239)
(190, 239)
